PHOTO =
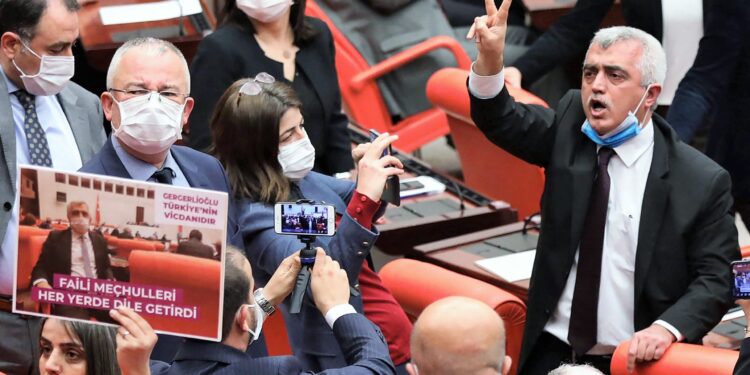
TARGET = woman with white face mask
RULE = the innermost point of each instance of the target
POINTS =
(260, 138)
(274, 36)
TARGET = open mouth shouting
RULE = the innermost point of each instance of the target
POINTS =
(598, 106)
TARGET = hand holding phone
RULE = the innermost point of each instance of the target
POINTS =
(376, 167)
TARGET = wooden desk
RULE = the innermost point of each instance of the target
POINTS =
(544, 13)
(100, 42)
(450, 254)
(402, 229)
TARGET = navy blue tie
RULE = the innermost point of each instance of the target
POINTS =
(36, 138)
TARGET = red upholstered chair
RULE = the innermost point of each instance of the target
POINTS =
(277, 339)
(486, 167)
(683, 359)
(125, 246)
(361, 96)
(417, 284)
(745, 251)
(28, 253)
(199, 278)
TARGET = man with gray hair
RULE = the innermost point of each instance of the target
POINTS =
(458, 335)
(638, 235)
(148, 101)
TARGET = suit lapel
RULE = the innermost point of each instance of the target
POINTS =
(67, 249)
(655, 200)
(111, 162)
(78, 123)
(582, 170)
(7, 132)
(192, 174)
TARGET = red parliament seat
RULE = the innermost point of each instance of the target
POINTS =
(362, 98)
(30, 242)
(417, 284)
(125, 246)
(683, 359)
(486, 167)
(199, 278)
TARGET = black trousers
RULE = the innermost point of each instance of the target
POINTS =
(19, 343)
(549, 353)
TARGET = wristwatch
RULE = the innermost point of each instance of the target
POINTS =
(261, 300)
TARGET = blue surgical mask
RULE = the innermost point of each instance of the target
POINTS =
(628, 128)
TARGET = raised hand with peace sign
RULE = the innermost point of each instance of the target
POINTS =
(489, 32)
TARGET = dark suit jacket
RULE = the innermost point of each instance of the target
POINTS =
(569, 37)
(56, 251)
(195, 248)
(687, 237)
(364, 345)
(743, 363)
(201, 171)
(231, 53)
(716, 95)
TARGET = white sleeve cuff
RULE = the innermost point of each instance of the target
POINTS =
(486, 87)
(671, 329)
(338, 311)
(37, 281)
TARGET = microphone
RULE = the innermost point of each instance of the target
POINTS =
(181, 18)
(460, 194)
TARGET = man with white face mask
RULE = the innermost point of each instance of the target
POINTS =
(75, 251)
(148, 101)
(45, 120)
(363, 343)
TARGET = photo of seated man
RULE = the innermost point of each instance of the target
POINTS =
(76, 251)
(195, 247)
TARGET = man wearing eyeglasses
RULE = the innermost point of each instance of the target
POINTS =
(44, 120)
(148, 101)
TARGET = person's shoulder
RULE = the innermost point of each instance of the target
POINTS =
(194, 155)
(81, 93)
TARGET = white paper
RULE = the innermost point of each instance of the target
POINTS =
(511, 267)
(160, 10)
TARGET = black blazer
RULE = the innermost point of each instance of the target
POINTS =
(230, 53)
(570, 35)
(687, 237)
(743, 363)
(364, 346)
(56, 252)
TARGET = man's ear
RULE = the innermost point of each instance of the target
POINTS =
(506, 365)
(107, 104)
(653, 93)
(240, 319)
(8, 44)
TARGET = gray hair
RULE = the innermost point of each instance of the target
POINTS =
(156, 45)
(653, 63)
(567, 369)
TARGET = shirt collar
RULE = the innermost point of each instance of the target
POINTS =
(137, 168)
(630, 151)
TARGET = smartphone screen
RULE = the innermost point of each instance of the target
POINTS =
(741, 271)
(305, 219)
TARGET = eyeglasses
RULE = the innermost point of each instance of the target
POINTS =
(165, 94)
(252, 87)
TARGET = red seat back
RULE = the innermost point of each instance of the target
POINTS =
(683, 359)
(486, 167)
(417, 284)
(199, 278)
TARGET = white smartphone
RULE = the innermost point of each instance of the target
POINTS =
(304, 219)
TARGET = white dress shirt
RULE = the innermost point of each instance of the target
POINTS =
(628, 173)
(63, 150)
(682, 22)
(338, 311)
